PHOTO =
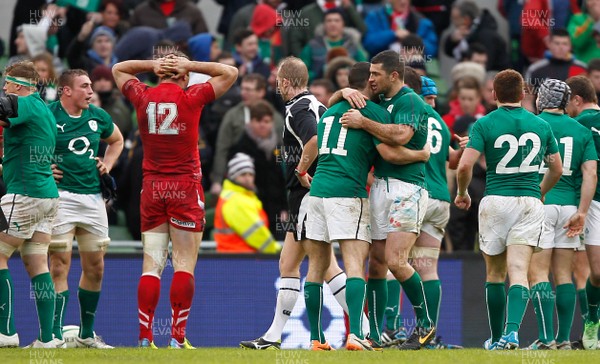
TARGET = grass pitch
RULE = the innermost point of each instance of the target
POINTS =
(235, 356)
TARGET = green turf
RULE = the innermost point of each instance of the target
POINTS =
(234, 356)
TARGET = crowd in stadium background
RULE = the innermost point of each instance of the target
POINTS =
(461, 45)
(458, 44)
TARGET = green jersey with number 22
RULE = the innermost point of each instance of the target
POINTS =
(514, 142)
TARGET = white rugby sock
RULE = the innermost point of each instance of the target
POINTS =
(337, 285)
(289, 290)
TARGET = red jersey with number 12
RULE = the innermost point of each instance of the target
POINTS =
(168, 120)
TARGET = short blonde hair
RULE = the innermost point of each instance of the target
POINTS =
(293, 69)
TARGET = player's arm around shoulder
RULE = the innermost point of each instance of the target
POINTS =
(387, 133)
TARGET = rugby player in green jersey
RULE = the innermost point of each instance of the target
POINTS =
(338, 208)
(566, 206)
(30, 203)
(511, 215)
(81, 210)
(584, 108)
(398, 195)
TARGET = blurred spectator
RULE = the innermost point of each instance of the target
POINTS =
(264, 25)
(114, 16)
(314, 54)
(30, 41)
(594, 74)
(262, 143)
(243, 17)
(272, 94)
(246, 54)
(467, 102)
(211, 119)
(301, 26)
(46, 85)
(202, 47)
(130, 183)
(161, 14)
(463, 225)
(142, 42)
(470, 69)
(110, 98)
(412, 53)
(476, 53)
(535, 25)
(95, 100)
(438, 11)
(230, 7)
(559, 64)
(582, 28)
(22, 14)
(472, 25)
(323, 89)
(387, 28)
(241, 224)
(101, 51)
(487, 92)
(253, 89)
(337, 71)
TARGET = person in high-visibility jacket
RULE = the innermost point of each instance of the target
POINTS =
(241, 224)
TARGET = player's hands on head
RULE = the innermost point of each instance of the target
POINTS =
(354, 97)
(352, 119)
(463, 202)
(171, 65)
(575, 224)
(56, 173)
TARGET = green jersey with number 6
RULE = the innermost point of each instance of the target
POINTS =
(345, 155)
(438, 137)
(590, 118)
(514, 142)
(29, 144)
(576, 147)
(406, 108)
(77, 144)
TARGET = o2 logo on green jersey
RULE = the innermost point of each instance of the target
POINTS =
(169, 110)
(513, 148)
(80, 151)
(434, 136)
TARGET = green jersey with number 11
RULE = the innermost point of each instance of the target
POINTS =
(345, 155)
(576, 147)
(77, 144)
(515, 143)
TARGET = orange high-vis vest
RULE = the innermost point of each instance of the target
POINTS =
(241, 224)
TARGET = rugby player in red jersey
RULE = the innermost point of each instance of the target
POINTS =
(172, 201)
